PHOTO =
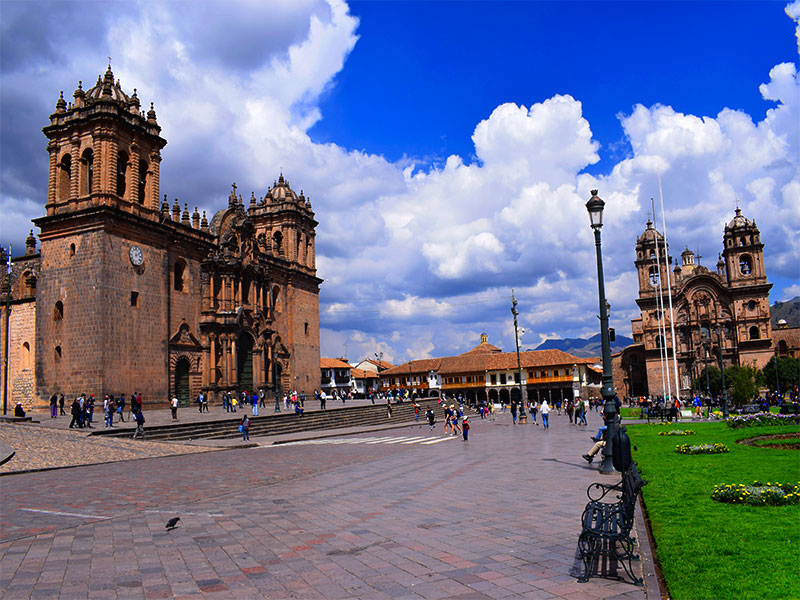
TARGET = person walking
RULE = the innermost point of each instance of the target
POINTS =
(465, 430)
(53, 406)
(454, 421)
(544, 409)
(570, 409)
(174, 408)
(431, 418)
(580, 415)
(76, 414)
(513, 412)
(121, 407)
(416, 411)
(534, 410)
(61, 405)
(108, 411)
(389, 409)
(254, 400)
(138, 416)
(245, 427)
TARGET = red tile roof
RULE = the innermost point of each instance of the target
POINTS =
(479, 362)
(333, 363)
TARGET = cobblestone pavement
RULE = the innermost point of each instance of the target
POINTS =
(46, 448)
(388, 517)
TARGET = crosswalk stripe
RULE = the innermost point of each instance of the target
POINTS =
(418, 439)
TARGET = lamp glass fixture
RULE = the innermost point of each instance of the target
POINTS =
(595, 207)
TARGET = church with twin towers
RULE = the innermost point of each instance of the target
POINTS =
(126, 291)
(718, 315)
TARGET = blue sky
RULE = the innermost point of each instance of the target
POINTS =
(447, 147)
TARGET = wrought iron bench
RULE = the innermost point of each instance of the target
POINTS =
(607, 522)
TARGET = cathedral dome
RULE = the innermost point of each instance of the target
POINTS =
(107, 88)
(739, 221)
(281, 192)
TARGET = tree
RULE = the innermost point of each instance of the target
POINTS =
(788, 373)
(714, 380)
(743, 383)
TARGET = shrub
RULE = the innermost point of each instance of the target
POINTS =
(702, 449)
(771, 493)
(761, 419)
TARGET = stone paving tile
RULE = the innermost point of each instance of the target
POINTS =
(314, 521)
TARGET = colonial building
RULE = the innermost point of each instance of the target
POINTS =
(335, 375)
(487, 373)
(129, 293)
(724, 312)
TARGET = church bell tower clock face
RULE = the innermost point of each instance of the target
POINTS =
(137, 256)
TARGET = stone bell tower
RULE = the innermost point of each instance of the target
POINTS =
(103, 150)
(101, 246)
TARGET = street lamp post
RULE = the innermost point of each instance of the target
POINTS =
(595, 207)
(724, 398)
(708, 385)
(8, 322)
(523, 417)
(777, 379)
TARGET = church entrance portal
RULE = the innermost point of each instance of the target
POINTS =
(182, 381)
(244, 360)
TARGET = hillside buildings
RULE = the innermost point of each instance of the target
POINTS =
(131, 293)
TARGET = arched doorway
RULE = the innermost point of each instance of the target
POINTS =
(515, 397)
(470, 397)
(493, 396)
(504, 398)
(182, 380)
(244, 361)
(481, 396)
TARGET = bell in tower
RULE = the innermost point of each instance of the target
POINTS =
(743, 252)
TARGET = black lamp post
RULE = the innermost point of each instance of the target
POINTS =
(724, 398)
(523, 417)
(7, 325)
(777, 379)
(595, 207)
(705, 356)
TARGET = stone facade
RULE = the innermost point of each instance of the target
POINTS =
(130, 294)
(720, 315)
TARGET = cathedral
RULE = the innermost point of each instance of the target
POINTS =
(719, 316)
(128, 293)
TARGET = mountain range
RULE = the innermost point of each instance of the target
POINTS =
(789, 311)
(589, 347)
(585, 347)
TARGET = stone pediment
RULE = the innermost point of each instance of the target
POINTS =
(183, 338)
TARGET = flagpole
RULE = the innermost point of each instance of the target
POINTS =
(662, 332)
(669, 295)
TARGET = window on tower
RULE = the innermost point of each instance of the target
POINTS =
(122, 169)
(87, 166)
(142, 181)
(64, 177)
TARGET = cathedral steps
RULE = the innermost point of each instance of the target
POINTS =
(281, 424)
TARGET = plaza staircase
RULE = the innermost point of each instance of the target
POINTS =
(281, 423)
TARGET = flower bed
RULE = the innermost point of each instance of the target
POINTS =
(761, 419)
(702, 449)
(771, 493)
(677, 432)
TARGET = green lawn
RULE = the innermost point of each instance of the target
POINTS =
(709, 550)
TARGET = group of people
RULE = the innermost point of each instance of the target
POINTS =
(452, 415)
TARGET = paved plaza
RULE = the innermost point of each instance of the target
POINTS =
(399, 513)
